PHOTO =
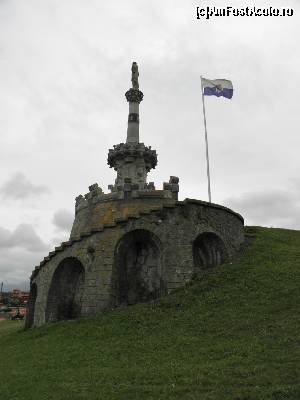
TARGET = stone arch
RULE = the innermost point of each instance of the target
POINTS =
(31, 306)
(65, 294)
(138, 273)
(208, 250)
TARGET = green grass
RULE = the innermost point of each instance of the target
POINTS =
(232, 334)
(7, 327)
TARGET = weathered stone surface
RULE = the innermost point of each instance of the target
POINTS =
(95, 215)
(192, 235)
(132, 161)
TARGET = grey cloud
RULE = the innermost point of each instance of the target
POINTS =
(63, 220)
(277, 208)
(19, 187)
(16, 265)
(5, 236)
(24, 236)
(20, 250)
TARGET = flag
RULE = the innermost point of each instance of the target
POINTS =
(217, 87)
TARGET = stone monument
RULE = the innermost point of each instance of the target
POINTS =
(133, 244)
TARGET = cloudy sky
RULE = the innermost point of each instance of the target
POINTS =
(64, 69)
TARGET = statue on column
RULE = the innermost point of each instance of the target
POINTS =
(135, 76)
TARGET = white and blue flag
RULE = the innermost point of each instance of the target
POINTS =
(217, 87)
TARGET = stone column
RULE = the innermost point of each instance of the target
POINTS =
(134, 96)
(132, 160)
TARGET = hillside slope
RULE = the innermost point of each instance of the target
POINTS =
(232, 334)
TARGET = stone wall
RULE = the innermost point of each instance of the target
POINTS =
(164, 236)
(100, 213)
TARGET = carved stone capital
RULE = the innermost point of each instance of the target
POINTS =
(132, 151)
(134, 95)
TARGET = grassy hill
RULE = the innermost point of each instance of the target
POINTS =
(232, 334)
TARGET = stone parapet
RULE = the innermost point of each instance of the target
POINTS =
(123, 192)
(172, 186)
(107, 210)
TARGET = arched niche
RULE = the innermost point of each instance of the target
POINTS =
(137, 268)
(208, 250)
(66, 290)
(31, 306)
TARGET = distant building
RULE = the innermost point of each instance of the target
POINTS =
(20, 295)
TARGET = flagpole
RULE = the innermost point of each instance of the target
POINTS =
(206, 142)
